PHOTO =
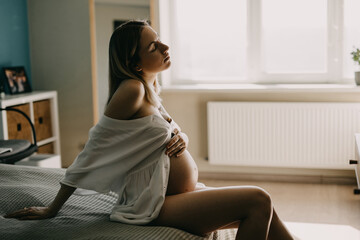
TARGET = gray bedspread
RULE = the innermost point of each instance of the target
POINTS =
(82, 217)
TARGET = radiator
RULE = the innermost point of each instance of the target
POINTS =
(282, 134)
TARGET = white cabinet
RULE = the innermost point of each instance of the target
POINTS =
(41, 107)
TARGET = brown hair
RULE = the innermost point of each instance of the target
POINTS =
(124, 55)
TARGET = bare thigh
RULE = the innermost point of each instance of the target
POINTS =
(206, 210)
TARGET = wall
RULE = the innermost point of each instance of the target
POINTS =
(105, 14)
(14, 36)
(60, 46)
(63, 52)
(188, 108)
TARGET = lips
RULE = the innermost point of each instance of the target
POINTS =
(167, 58)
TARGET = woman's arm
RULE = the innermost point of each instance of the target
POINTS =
(63, 195)
(33, 213)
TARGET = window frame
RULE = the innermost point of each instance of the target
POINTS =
(164, 9)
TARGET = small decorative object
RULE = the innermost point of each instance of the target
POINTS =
(16, 80)
(356, 57)
(2, 90)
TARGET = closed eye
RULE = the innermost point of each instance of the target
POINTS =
(153, 49)
(156, 45)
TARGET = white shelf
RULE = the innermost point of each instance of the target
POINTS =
(41, 160)
(46, 141)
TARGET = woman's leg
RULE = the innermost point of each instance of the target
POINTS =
(201, 212)
(277, 228)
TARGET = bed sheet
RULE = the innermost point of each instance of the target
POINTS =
(82, 217)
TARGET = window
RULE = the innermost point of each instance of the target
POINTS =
(210, 40)
(294, 37)
(351, 34)
(260, 41)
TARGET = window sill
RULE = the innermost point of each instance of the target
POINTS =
(211, 88)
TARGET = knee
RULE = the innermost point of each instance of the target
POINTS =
(261, 203)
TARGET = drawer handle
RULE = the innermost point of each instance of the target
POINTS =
(19, 127)
(353, 162)
(41, 120)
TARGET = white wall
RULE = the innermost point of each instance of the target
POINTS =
(105, 14)
(60, 49)
(61, 60)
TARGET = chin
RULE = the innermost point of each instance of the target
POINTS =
(167, 64)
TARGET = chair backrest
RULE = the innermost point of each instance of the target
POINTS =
(27, 118)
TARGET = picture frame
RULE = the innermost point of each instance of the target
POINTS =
(16, 80)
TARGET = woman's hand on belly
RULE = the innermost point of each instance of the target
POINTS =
(183, 170)
(178, 144)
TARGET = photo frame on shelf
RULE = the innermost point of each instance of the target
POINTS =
(16, 80)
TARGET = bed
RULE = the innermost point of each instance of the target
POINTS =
(82, 217)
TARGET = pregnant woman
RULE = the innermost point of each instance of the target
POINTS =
(139, 152)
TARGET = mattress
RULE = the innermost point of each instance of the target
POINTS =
(82, 217)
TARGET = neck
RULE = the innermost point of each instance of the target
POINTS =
(150, 79)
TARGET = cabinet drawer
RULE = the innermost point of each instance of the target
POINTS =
(47, 148)
(42, 117)
(18, 126)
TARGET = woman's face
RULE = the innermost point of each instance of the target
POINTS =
(154, 56)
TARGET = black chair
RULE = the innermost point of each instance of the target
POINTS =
(20, 148)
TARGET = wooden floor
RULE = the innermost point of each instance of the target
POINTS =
(311, 211)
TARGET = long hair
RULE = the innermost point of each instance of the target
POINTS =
(124, 55)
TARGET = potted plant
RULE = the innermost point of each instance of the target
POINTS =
(356, 57)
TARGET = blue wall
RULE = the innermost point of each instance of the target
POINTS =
(14, 35)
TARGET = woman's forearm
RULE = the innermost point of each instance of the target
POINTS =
(63, 195)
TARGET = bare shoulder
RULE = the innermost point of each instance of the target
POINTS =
(127, 100)
(131, 88)
(131, 84)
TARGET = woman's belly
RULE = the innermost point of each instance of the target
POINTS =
(183, 174)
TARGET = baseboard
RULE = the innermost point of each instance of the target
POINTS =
(342, 180)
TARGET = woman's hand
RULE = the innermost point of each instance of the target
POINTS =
(177, 144)
(32, 213)
(35, 213)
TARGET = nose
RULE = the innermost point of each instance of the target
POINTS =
(164, 48)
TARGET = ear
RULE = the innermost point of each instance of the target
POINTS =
(138, 68)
